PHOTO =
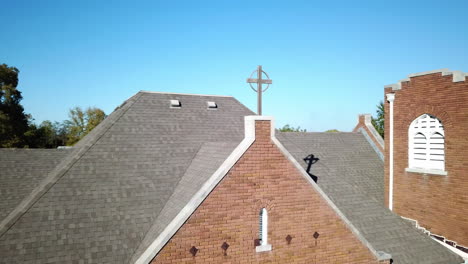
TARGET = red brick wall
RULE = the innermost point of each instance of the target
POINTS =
(361, 124)
(439, 203)
(263, 177)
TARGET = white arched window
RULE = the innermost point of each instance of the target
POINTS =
(263, 231)
(426, 145)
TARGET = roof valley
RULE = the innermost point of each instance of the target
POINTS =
(132, 256)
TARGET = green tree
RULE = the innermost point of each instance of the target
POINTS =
(46, 135)
(379, 121)
(332, 130)
(288, 128)
(82, 122)
(13, 120)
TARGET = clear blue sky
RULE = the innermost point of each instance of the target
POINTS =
(329, 60)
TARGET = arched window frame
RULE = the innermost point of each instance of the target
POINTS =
(426, 145)
(263, 231)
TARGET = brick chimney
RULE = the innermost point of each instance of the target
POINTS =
(260, 128)
(365, 126)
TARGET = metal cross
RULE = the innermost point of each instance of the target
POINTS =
(259, 81)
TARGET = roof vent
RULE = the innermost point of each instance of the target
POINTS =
(175, 103)
(212, 105)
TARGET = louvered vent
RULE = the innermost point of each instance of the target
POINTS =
(436, 151)
(212, 105)
(426, 143)
(263, 226)
(419, 150)
(260, 231)
(175, 104)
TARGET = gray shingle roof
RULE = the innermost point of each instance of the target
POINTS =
(21, 170)
(350, 172)
(111, 191)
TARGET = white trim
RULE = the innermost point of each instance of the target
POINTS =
(371, 143)
(253, 118)
(391, 98)
(427, 171)
(263, 229)
(142, 91)
(263, 248)
(458, 76)
(375, 134)
(416, 74)
(454, 250)
(198, 198)
(427, 232)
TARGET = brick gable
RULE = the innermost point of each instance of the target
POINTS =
(264, 178)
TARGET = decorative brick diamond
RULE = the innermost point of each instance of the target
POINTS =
(225, 246)
(194, 251)
(316, 235)
(288, 238)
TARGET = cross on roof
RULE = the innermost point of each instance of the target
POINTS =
(259, 81)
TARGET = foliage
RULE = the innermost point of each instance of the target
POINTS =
(332, 130)
(379, 121)
(288, 128)
(82, 122)
(13, 120)
(18, 130)
(46, 135)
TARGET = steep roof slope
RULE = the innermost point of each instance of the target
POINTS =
(108, 195)
(21, 170)
(350, 172)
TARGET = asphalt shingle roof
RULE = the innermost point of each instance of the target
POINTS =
(114, 187)
(350, 172)
(21, 171)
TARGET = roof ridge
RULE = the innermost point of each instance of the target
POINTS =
(153, 92)
(63, 167)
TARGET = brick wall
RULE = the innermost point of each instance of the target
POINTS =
(438, 203)
(264, 178)
(362, 125)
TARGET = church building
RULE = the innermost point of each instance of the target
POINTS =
(426, 151)
(179, 178)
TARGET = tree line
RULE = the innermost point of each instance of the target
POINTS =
(18, 129)
(378, 122)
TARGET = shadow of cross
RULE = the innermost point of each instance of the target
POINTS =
(310, 160)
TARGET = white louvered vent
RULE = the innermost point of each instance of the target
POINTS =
(426, 146)
(175, 104)
(436, 151)
(212, 105)
(263, 227)
(419, 150)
